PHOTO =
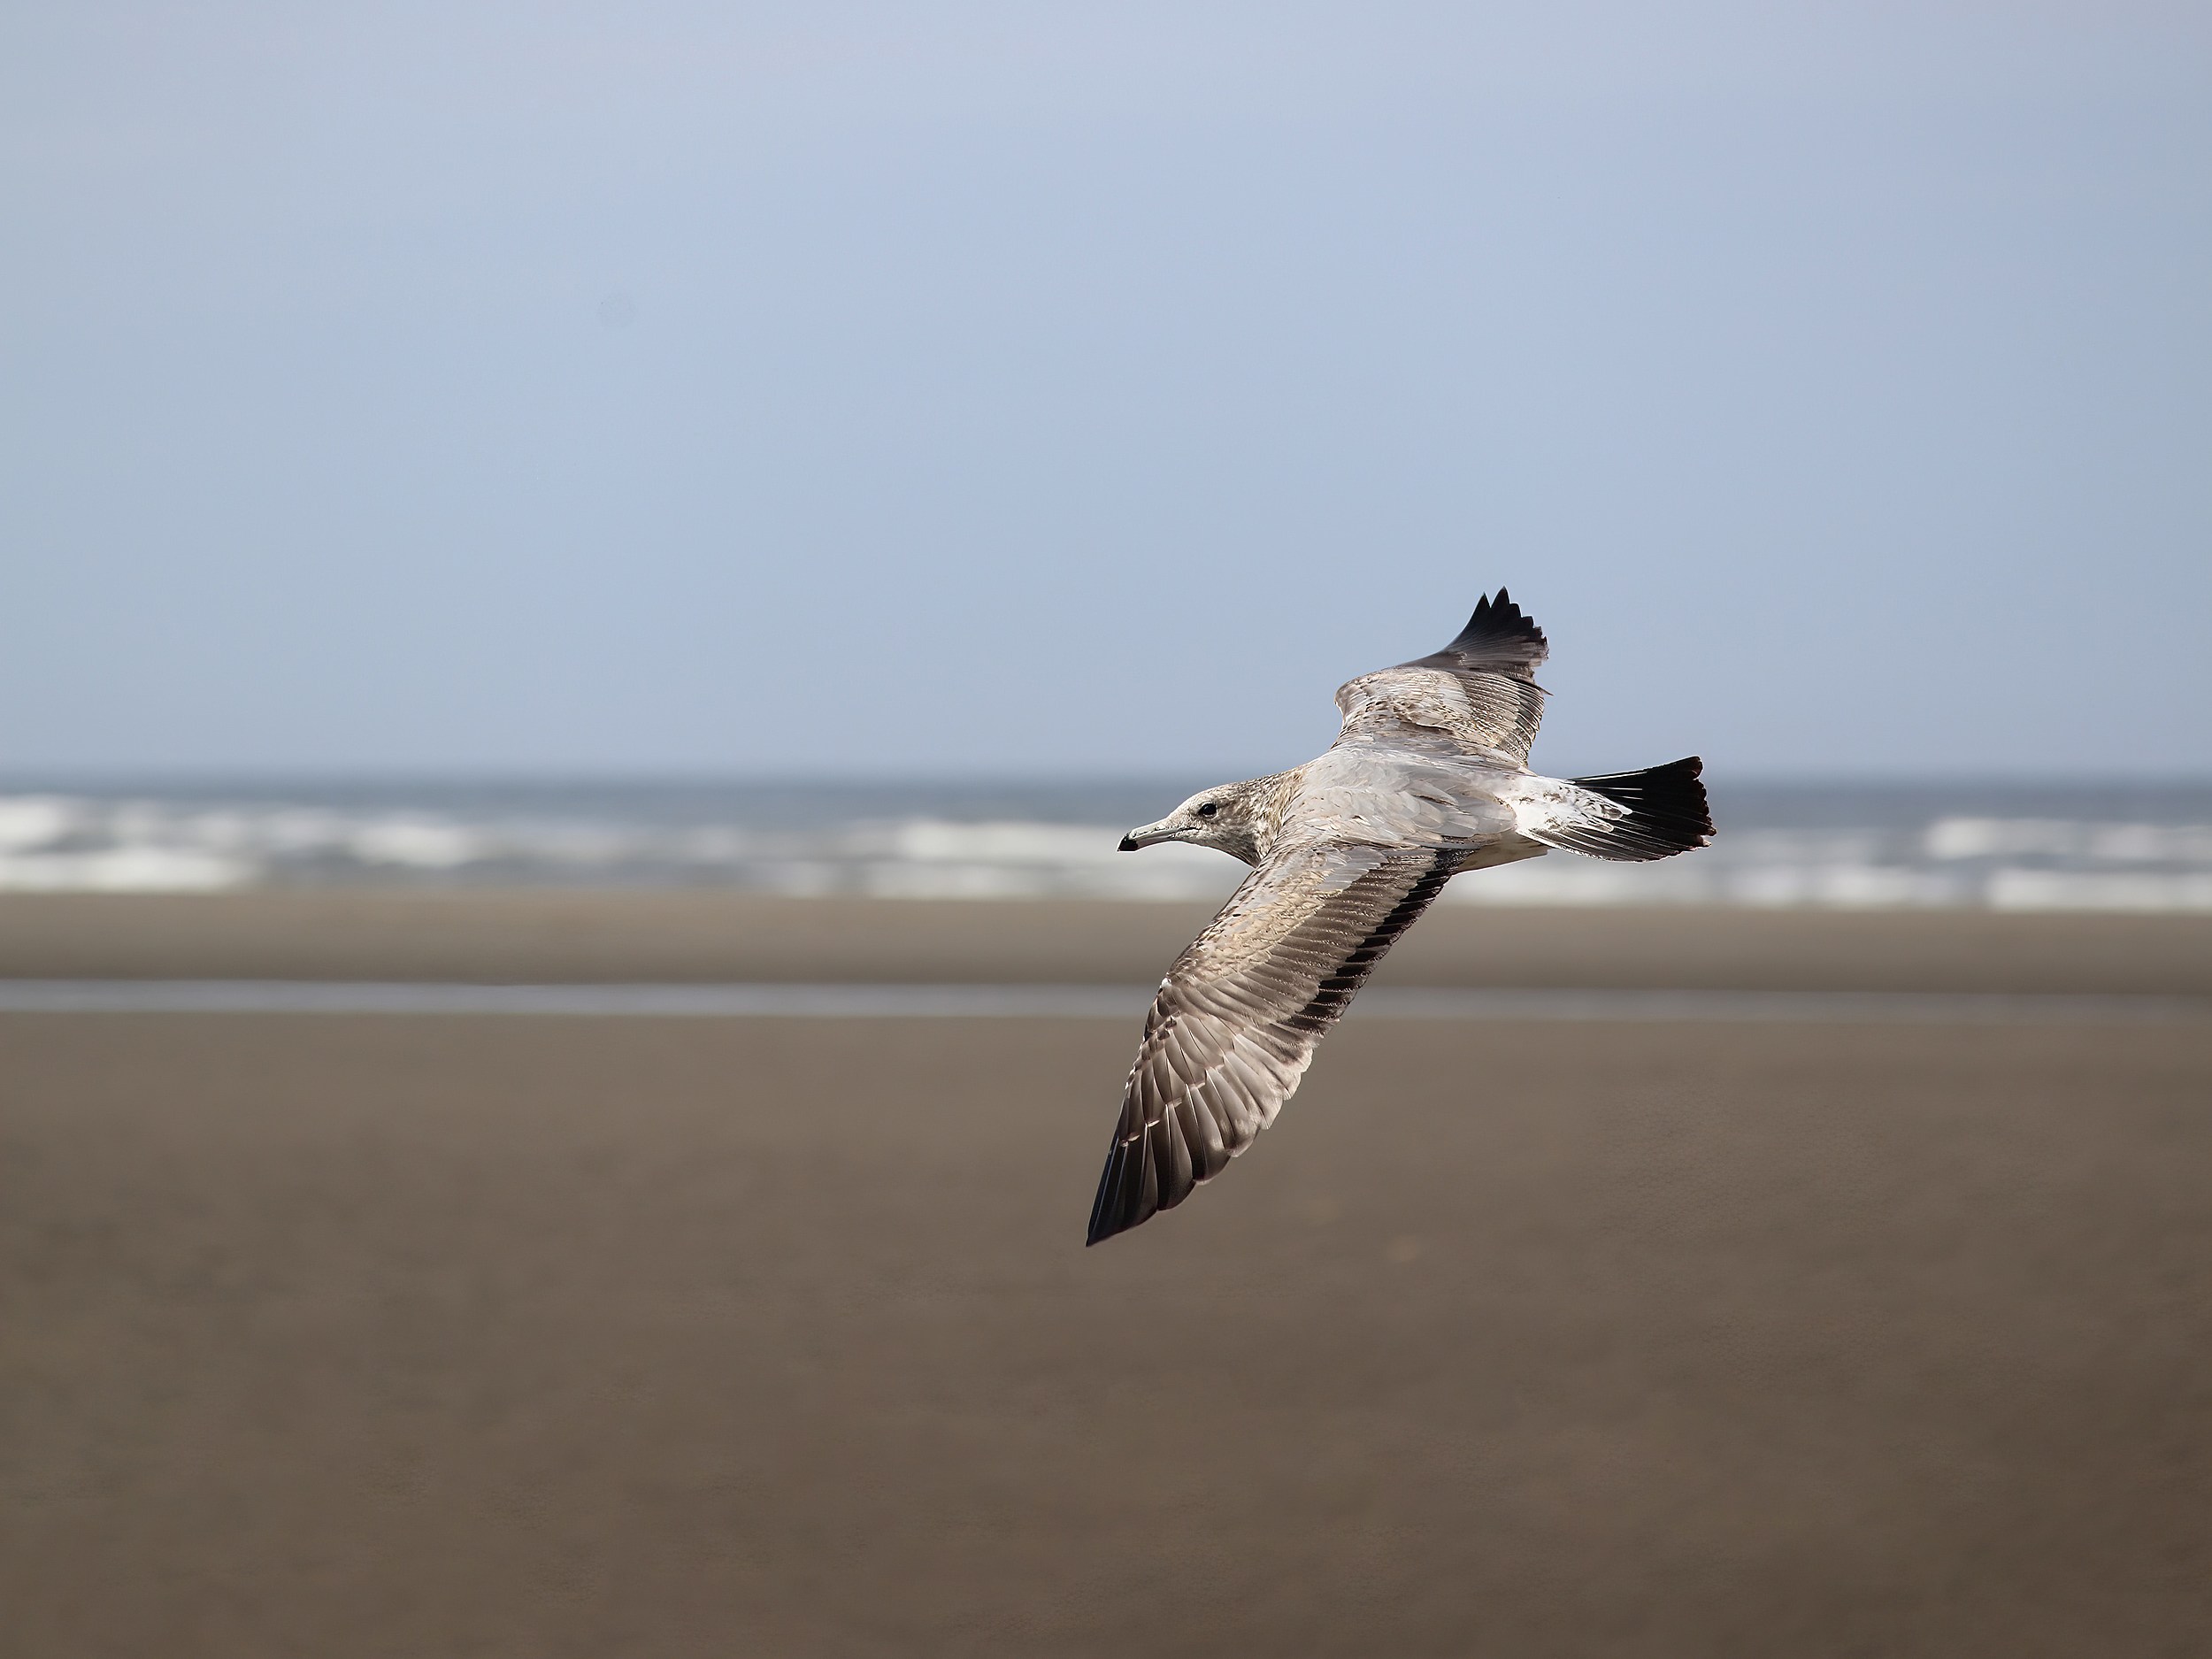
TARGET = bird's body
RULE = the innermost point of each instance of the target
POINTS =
(1428, 777)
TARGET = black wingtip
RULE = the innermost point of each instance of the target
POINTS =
(1113, 1210)
(1498, 621)
(1098, 1229)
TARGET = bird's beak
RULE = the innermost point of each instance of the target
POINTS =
(1145, 835)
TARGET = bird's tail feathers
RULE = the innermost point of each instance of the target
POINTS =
(1654, 813)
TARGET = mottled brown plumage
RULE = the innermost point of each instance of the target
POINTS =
(1428, 777)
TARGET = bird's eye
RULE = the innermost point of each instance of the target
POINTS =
(1209, 809)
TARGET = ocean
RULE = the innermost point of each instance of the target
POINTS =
(2138, 847)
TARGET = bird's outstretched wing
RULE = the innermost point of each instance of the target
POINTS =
(1481, 688)
(1235, 1021)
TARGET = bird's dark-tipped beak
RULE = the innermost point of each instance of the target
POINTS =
(1147, 835)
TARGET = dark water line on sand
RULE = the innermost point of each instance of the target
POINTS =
(1067, 1001)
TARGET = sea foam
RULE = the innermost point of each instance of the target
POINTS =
(1831, 847)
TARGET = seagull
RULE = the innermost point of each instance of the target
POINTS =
(1428, 777)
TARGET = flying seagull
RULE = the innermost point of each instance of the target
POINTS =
(1428, 777)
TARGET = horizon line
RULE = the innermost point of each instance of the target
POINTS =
(105, 777)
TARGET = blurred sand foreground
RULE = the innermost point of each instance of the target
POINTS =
(371, 1336)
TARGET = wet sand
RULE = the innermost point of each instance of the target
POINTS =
(366, 1335)
(705, 936)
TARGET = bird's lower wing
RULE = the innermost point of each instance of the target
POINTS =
(1233, 1026)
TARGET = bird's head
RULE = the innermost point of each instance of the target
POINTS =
(1226, 817)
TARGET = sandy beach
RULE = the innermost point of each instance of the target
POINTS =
(373, 1335)
(480, 934)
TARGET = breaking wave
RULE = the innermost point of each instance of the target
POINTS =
(1831, 847)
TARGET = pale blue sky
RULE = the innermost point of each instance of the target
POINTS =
(997, 387)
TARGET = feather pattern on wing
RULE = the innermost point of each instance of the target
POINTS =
(1481, 688)
(1235, 1024)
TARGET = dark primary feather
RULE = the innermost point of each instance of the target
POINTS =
(1233, 1028)
(1499, 639)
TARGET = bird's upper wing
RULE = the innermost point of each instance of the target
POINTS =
(1481, 688)
(1235, 1021)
